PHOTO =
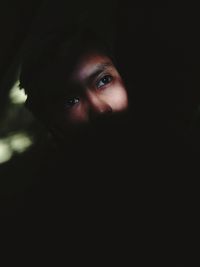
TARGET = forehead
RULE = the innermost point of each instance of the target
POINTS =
(89, 64)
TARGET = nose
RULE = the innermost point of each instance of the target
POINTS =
(97, 106)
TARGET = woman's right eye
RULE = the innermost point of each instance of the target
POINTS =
(104, 81)
(71, 102)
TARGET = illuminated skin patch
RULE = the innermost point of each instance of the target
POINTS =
(95, 89)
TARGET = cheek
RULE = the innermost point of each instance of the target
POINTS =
(77, 115)
(116, 96)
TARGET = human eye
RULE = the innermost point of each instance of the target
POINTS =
(104, 81)
(70, 102)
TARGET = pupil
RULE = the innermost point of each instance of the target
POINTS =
(106, 79)
(72, 101)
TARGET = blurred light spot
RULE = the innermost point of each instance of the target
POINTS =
(15, 143)
(17, 95)
(20, 142)
(5, 152)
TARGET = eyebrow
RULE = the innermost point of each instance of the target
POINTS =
(101, 67)
(98, 70)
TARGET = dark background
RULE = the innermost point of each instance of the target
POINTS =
(171, 31)
(158, 51)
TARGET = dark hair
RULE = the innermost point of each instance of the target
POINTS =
(47, 61)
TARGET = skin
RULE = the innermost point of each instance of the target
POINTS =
(95, 88)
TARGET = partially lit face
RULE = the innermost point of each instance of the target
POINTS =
(95, 89)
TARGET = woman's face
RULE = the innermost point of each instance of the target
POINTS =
(95, 89)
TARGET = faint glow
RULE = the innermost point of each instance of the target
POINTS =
(5, 152)
(17, 95)
(15, 143)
